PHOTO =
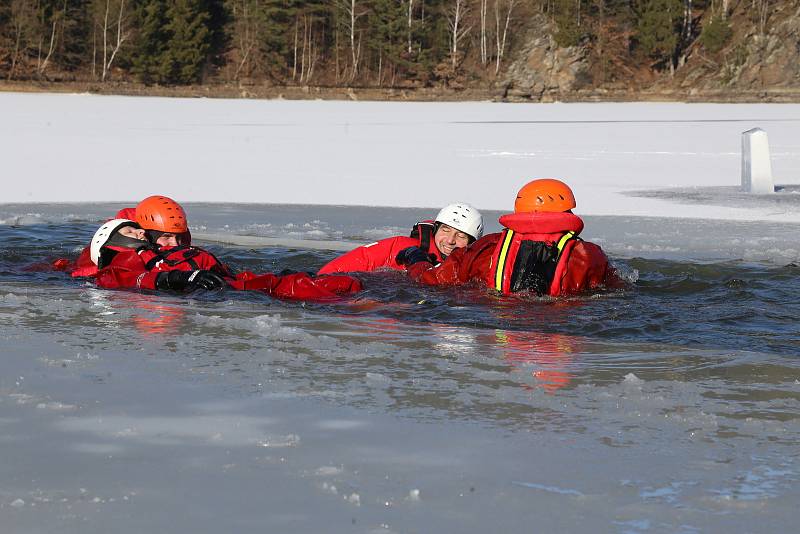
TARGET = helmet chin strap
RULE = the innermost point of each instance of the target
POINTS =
(119, 240)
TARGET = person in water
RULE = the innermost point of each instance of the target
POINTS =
(539, 250)
(176, 233)
(121, 245)
(160, 261)
(456, 226)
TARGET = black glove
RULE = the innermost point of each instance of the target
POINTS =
(207, 280)
(412, 255)
(188, 280)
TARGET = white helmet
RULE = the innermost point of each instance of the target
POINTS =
(103, 234)
(463, 218)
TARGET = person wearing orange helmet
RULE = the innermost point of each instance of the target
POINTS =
(164, 221)
(539, 250)
(168, 262)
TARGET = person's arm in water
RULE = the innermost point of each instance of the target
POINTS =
(298, 286)
(370, 257)
(460, 267)
(128, 271)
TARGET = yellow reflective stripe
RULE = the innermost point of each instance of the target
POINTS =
(501, 261)
(563, 241)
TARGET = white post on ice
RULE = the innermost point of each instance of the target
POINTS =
(756, 167)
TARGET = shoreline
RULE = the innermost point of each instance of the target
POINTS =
(407, 94)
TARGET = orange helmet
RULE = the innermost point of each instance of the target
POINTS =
(545, 194)
(161, 214)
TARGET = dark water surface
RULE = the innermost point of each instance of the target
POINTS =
(670, 406)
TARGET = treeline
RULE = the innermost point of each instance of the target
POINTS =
(347, 42)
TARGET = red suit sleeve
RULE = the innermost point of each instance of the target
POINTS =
(460, 267)
(84, 266)
(127, 271)
(112, 277)
(298, 286)
(380, 254)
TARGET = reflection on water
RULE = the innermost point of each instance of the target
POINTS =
(155, 320)
(547, 357)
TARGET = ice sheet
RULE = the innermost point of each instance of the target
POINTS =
(72, 148)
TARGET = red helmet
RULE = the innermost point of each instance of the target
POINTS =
(545, 194)
(161, 214)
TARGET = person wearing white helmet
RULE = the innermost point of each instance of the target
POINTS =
(456, 225)
(124, 258)
(114, 236)
(124, 240)
(119, 234)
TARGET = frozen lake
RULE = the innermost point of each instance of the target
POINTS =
(672, 406)
(86, 148)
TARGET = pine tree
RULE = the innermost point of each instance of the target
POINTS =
(432, 37)
(219, 40)
(568, 19)
(716, 34)
(658, 28)
(75, 51)
(151, 42)
(386, 23)
(188, 43)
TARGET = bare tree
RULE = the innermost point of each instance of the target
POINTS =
(501, 41)
(21, 15)
(456, 25)
(56, 23)
(686, 30)
(41, 65)
(113, 42)
(410, 20)
(483, 39)
(762, 9)
(294, 58)
(245, 34)
(352, 11)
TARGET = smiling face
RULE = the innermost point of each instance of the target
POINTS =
(448, 239)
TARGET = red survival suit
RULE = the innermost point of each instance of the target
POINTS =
(129, 269)
(536, 252)
(382, 254)
(84, 266)
(132, 269)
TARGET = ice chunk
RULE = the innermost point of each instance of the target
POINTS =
(277, 442)
(756, 166)
(328, 470)
(632, 379)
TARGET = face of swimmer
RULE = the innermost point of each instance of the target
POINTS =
(448, 239)
(130, 231)
(167, 240)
